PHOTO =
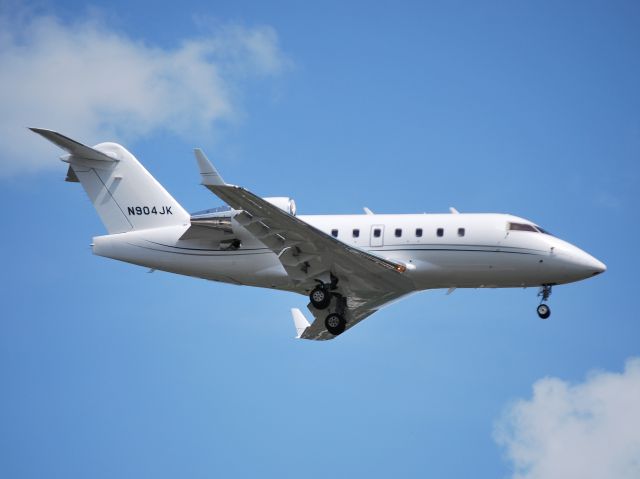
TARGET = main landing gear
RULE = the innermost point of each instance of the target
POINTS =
(335, 324)
(321, 297)
(544, 311)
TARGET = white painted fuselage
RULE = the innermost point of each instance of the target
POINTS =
(439, 250)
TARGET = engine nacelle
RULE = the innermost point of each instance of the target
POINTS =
(284, 203)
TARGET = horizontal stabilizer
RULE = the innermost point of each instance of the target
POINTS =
(209, 174)
(299, 321)
(73, 147)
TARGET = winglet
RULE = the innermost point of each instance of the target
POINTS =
(299, 321)
(210, 176)
(367, 211)
(453, 210)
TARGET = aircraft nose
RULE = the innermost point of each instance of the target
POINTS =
(590, 265)
(598, 266)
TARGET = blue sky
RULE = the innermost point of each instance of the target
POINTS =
(531, 108)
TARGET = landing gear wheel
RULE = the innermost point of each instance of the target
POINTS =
(335, 324)
(320, 297)
(544, 311)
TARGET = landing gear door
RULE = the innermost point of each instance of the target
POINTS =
(377, 235)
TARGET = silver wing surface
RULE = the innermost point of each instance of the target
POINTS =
(365, 281)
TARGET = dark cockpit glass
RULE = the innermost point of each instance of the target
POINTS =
(527, 227)
(543, 231)
(522, 227)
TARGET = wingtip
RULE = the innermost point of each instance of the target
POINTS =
(204, 164)
(209, 174)
(299, 321)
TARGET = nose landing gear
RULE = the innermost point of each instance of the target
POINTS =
(544, 311)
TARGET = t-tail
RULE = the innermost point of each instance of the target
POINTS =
(123, 192)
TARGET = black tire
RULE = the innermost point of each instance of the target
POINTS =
(335, 324)
(320, 297)
(544, 311)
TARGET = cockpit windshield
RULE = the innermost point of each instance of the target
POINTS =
(527, 227)
(522, 227)
(543, 231)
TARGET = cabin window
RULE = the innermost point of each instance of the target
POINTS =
(418, 232)
(356, 233)
(334, 233)
(398, 232)
(377, 232)
(460, 232)
(521, 227)
(440, 232)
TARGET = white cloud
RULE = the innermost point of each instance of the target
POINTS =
(91, 82)
(588, 430)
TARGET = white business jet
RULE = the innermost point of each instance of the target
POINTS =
(348, 265)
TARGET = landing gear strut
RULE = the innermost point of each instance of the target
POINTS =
(544, 311)
(336, 322)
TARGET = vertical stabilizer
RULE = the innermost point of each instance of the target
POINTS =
(123, 192)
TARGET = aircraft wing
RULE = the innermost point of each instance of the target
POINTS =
(308, 255)
(358, 308)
